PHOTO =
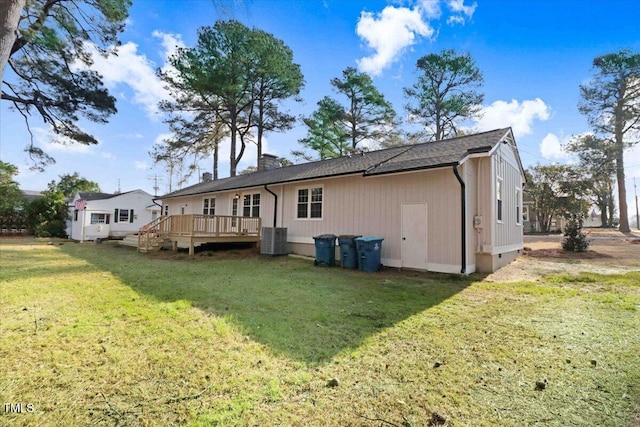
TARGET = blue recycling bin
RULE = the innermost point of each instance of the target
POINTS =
(369, 249)
(325, 250)
(348, 251)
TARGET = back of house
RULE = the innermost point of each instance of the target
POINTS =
(452, 206)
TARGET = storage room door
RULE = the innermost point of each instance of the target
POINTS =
(414, 236)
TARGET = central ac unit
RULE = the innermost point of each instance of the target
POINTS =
(273, 241)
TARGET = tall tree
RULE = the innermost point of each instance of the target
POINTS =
(238, 75)
(611, 102)
(70, 184)
(368, 115)
(326, 133)
(556, 190)
(9, 18)
(47, 215)
(598, 166)
(49, 63)
(275, 78)
(11, 199)
(445, 94)
(335, 129)
(194, 137)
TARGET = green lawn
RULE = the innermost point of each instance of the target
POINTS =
(101, 335)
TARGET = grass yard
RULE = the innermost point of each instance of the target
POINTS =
(99, 335)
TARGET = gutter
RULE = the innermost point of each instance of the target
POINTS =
(275, 206)
(463, 208)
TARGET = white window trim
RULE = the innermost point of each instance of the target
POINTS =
(501, 193)
(241, 204)
(518, 205)
(525, 208)
(209, 200)
(308, 218)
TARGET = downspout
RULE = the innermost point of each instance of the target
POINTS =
(275, 205)
(463, 222)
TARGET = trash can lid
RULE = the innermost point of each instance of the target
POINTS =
(325, 236)
(369, 239)
(347, 236)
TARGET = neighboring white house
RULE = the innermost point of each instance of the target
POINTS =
(102, 215)
(451, 206)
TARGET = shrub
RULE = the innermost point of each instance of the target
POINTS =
(574, 239)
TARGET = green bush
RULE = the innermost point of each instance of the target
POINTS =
(574, 239)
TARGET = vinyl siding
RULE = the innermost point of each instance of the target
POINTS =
(508, 232)
(373, 207)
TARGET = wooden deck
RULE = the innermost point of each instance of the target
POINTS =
(197, 229)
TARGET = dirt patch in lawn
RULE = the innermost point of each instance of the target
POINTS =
(610, 252)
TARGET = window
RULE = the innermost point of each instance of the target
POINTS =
(234, 207)
(123, 215)
(309, 203)
(166, 210)
(209, 206)
(518, 207)
(525, 213)
(499, 199)
(75, 214)
(251, 205)
(99, 218)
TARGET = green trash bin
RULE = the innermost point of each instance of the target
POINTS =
(348, 251)
(325, 250)
(369, 249)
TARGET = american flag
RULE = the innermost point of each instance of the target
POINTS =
(81, 204)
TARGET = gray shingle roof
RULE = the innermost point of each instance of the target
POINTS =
(390, 160)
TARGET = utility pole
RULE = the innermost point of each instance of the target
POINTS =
(155, 179)
(635, 190)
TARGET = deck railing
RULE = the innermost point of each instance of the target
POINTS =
(196, 225)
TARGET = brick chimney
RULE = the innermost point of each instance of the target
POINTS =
(206, 176)
(267, 162)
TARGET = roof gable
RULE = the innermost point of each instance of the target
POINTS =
(390, 160)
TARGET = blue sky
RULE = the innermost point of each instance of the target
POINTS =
(534, 54)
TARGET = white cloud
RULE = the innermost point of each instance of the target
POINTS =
(134, 70)
(518, 116)
(389, 34)
(50, 142)
(458, 6)
(170, 42)
(141, 165)
(552, 148)
(126, 66)
(453, 20)
(430, 8)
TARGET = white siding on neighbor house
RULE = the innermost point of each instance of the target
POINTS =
(138, 201)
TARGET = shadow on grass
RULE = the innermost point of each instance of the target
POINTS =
(306, 313)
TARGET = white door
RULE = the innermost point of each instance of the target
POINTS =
(414, 236)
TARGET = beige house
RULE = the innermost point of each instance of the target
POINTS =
(453, 206)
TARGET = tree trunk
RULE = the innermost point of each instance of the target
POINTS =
(619, 135)
(9, 17)
(622, 193)
(215, 161)
(610, 203)
(232, 149)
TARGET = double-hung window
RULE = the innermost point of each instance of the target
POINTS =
(518, 206)
(251, 205)
(309, 204)
(99, 218)
(499, 199)
(123, 215)
(209, 206)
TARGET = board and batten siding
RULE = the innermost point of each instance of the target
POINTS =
(507, 234)
(372, 206)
